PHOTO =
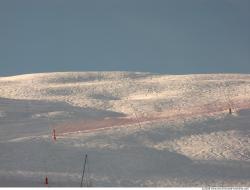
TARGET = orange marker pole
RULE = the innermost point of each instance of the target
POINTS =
(46, 181)
(54, 134)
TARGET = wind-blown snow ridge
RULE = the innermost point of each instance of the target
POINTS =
(144, 95)
(119, 91)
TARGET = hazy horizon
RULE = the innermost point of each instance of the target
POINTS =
(155, 73)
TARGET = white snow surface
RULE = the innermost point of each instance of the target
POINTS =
(138, 129)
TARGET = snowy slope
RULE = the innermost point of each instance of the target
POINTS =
(138, 129)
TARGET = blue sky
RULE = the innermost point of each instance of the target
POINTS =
(163, 36)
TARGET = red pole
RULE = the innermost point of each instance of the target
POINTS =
(46, 180)
(54, 134)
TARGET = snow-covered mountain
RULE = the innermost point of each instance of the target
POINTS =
(138, 129)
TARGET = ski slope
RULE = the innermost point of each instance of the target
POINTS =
(138, 129)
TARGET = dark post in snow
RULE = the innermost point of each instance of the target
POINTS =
(83, 171)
